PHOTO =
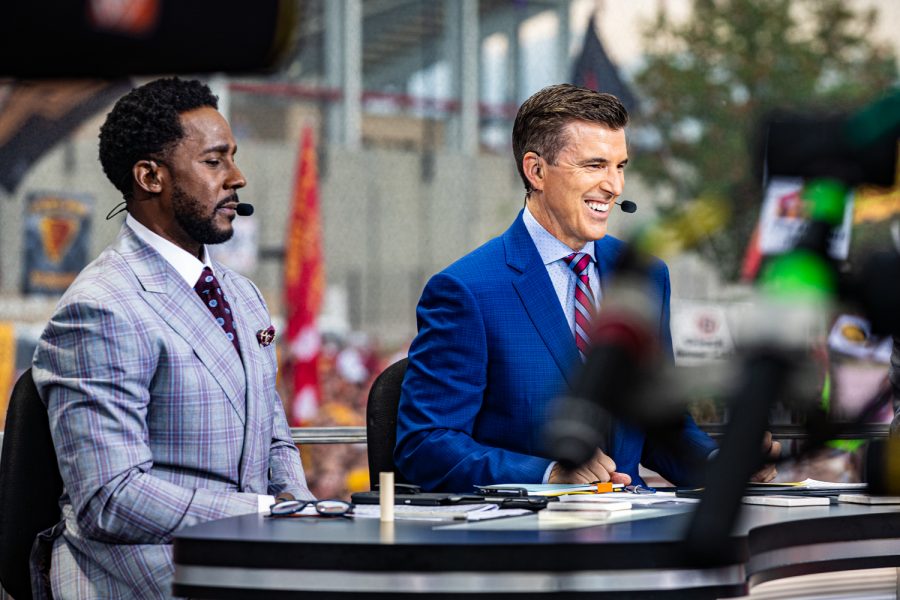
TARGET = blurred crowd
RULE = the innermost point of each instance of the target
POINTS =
(347, 367)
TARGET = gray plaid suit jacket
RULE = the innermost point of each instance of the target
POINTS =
(158, 423)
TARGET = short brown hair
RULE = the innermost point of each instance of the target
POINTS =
(541, 120)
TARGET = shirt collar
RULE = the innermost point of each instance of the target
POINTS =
(187, 265)
(549, 246)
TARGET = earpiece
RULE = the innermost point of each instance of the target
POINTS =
(153, 170)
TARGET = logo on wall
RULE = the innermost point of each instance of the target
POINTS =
(700, 332)
(57, 229)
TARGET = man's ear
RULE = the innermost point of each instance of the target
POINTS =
(146, 175)
(532, 166)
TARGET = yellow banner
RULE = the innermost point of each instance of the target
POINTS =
(7, 366)
(872, 205)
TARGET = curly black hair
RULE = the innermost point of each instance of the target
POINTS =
(145, 123)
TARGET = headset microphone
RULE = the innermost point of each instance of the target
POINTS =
(243, 209)
(627, 206)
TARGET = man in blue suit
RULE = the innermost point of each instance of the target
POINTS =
(501, 329)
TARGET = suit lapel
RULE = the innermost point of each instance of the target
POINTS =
(253, 373)
(539, 297)
(606, 252)
(179, 307)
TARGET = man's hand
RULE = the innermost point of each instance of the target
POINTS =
(599, 468)
(771, 450)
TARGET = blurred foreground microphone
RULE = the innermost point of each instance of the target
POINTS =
(875, 288)
(883, 466)
(627, 206)
(98, 38)
(854, 149)
(617, 365)
(243, 209)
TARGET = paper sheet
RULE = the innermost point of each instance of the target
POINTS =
(455, 512)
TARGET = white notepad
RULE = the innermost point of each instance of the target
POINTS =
(596, 498)
(867, 499)
(570, 506)
(787, 500)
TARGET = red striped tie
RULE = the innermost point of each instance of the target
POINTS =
(584, 300)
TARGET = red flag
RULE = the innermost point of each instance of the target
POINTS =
(304, 282)
(752, 257)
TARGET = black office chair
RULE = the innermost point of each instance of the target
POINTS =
(381, 421)
(30, 485)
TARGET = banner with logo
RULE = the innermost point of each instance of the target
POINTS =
(57, 234)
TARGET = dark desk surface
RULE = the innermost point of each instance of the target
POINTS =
(254, 556)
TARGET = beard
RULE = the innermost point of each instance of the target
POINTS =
(201, 227)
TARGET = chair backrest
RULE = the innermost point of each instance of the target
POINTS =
(30, 485)
(381, 421)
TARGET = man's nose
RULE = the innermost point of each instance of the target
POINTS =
(235, 179)
(614, 182)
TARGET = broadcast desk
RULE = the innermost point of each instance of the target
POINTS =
(257, 557)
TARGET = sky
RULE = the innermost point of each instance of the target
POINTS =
(620, 22)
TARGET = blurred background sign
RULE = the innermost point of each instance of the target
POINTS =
(57, 235)
(34, 116)
(700, 333)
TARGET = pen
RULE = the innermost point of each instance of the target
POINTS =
(606, 486)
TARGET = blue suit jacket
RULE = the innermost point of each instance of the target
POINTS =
(493, 350)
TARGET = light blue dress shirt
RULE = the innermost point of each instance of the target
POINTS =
(553, 252)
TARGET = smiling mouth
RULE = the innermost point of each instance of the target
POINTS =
(599, 207)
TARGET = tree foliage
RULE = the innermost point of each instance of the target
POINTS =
(709, 81)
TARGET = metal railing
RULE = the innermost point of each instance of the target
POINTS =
(798, 432)
(357, 435)
(328, 435)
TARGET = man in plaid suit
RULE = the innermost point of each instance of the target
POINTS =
(161, 399)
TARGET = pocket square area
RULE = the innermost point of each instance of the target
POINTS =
(266, 336)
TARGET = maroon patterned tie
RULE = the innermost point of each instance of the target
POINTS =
(584, 300)
(210, 292)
